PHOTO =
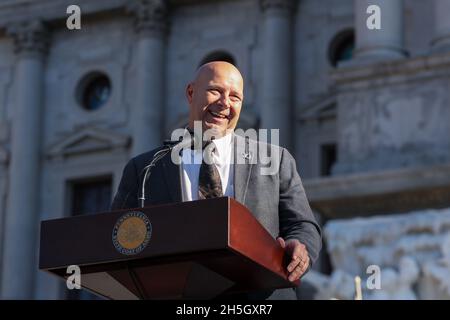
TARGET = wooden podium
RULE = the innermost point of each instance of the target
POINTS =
(188, 250)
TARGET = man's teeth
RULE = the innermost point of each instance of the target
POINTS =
(217, 114)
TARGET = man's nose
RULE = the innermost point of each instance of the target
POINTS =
(224, 101)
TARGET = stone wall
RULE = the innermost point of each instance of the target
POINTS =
(412, 251)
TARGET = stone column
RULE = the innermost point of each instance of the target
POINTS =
(24, 172)
(381, 44)
(441, 40)
(276, 109)
(148, 109)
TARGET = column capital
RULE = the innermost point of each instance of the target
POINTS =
(30, 37)
(285, 6)
(150, 16)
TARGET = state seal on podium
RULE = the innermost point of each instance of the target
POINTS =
(131, 233)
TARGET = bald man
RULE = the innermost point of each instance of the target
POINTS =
(215, 97)
(278, 200)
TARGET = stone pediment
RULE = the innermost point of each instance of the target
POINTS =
(88, 140)
(324, 108)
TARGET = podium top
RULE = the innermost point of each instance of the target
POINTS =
(220, 234)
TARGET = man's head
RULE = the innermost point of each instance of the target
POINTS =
(215, 97)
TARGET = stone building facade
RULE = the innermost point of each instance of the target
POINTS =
(365, 112)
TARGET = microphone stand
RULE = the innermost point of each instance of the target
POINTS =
(169, 145)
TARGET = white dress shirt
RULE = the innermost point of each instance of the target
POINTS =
(190, 166)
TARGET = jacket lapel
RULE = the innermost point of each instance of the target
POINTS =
(172, 177)
(242, 167)
(242, 160)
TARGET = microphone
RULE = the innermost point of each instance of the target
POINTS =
(188, 141)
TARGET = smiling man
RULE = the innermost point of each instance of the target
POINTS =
(215, 97)
(278, 201)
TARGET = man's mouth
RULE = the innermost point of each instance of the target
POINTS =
(218, 115)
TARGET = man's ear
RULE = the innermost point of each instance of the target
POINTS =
(189, 92)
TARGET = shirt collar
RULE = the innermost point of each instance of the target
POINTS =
(223, 145)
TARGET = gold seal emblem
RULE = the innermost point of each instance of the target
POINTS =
(132, 233)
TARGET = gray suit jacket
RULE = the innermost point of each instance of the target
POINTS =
(277, 200)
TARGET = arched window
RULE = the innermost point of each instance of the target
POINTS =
(341, 47)
(218, 56)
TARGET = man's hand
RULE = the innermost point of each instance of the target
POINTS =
(299, 257)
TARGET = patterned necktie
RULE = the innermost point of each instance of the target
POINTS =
(209, 183)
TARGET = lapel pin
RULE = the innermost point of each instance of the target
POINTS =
(246, 155)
